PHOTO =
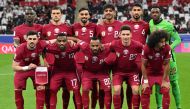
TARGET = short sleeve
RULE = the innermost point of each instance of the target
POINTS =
(145, 53)
(167, 53)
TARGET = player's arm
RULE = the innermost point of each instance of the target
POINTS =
(16, 42)
(166, 65)
(176, 38)
(17, 67)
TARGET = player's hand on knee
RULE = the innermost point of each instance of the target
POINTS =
(32, 66)
(145, 88)
(165, 84)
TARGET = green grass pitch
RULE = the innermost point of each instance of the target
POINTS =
(7, 92)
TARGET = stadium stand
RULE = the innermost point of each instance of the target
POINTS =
(12, 11)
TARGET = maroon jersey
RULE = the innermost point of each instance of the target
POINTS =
(109, 32)
(50, 30)
(64, 60)
(140, 30)
(84, 33)
(156, 59)
(25, 56)
(126, 56)
(21, 31)
(94, 63)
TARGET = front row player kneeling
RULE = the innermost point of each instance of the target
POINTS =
(155, 68)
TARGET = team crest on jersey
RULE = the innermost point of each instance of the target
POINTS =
(110, 29)
(56, 56)
(25, 37)
(150, 57)
(86, 58)
(103, 33)
(94, 59)
(157, 55)
(125, 52)
(63, 53)
(118, 54)
(136, 26)
(84, 29)
(76, 33)
(33, 55)
(26, 59)
(49, 33)
(56, 30)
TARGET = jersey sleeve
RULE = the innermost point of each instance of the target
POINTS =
(43, 34)
(145, 53)
(18, 55)
(167, 53)
(17, 34)
(175, 37)
(83, 45)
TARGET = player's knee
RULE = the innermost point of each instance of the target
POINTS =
(147, 91)
(40, 88)
(117, 90)
(164, 91)
(135, 91)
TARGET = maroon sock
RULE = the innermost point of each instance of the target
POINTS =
(107, 99)
(145, 101)
(65, 97)
(85, 99)
(117, 101)
(19, 100)
(78, 99)
(53, 99)
(166, 100)
(129, 97)
(47, 98)
(101, 98)
(40, 99)
(122, 96)
(94, 95)
(136, 101)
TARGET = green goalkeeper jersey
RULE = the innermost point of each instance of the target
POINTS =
(174, 39)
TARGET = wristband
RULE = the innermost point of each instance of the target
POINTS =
(146, 81)
(25, 68)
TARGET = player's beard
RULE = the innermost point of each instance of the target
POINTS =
(136, 17)
(32, 46)
(62, 47)
(84, 20)
(109, 17)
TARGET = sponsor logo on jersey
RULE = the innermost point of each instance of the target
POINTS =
(150, 57)
(94, 59)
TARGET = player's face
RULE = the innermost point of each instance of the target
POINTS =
(30, 16)
(84, 16)
(56, 15)
(162, 43)
(155, 14)
(95, 46)
(125, 36)
(61, 41)
(136, 12)
(32, 40)
(109, 14)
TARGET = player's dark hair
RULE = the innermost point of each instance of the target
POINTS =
(83, 8)
(136, 5)
(125, 27)
(61, 35)
(156, 36)
(56, 8)
(30, 9)
(109, 6)
(95, 38)
(32, 33)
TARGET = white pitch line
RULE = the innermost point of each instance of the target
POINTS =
(6, 74)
